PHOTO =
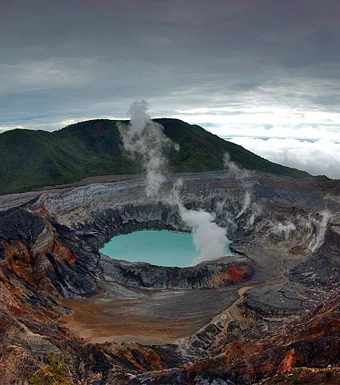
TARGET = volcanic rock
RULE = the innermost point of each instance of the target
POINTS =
(271, 307)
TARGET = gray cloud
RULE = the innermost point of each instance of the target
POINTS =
(84, 59)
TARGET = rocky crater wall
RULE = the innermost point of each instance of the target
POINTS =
(257, 211)
(285, 237)
(278, 212)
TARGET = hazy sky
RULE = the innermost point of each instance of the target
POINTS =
(240, 68)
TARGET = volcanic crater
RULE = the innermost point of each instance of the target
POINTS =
(236, 319)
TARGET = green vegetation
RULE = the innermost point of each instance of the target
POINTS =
(51, 374)
(33, 159)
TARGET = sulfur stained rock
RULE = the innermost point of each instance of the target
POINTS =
(271, 308)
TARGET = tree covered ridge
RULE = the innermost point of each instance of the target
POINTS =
(34, 159)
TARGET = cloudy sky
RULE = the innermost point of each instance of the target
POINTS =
(265, 73)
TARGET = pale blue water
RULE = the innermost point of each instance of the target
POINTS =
(162, 248)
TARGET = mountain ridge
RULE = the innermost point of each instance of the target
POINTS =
(34, 159)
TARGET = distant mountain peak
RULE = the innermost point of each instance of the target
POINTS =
(34, 159)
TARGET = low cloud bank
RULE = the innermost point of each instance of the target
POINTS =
(321, 157)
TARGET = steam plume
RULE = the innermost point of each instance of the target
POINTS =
(145, 140)
(284, 228)
(246, 204)
(209, 239)
(232, 168)
(321, 228)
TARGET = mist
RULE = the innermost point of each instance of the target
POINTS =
(320, 224)
(232, 168)
(145, 140)
(209, 239)
(284, 228)
(246, 204)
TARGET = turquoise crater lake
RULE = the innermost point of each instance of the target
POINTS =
(158, 247)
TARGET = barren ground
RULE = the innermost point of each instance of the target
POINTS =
(157, 317)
